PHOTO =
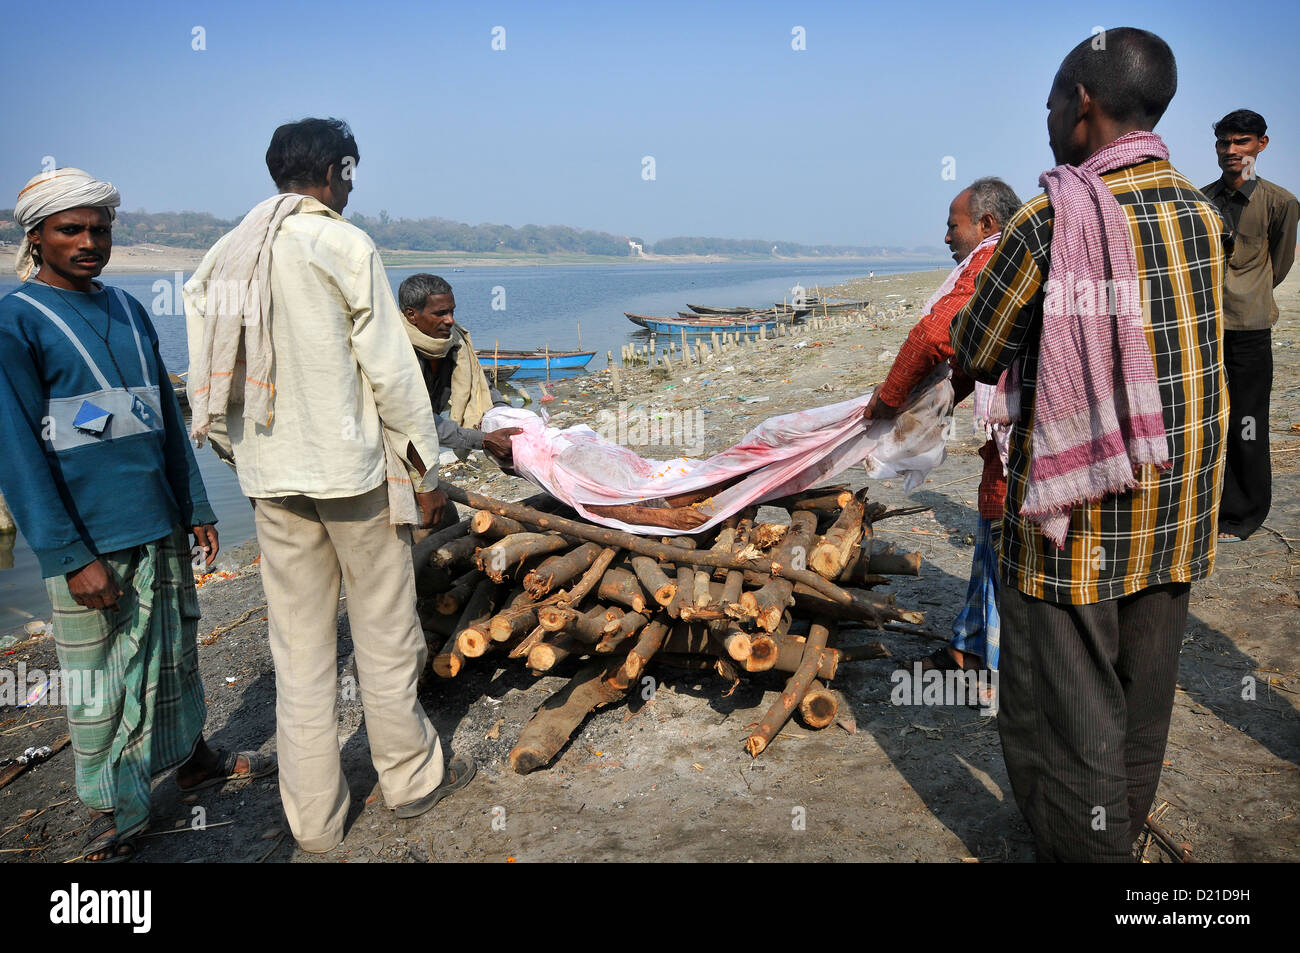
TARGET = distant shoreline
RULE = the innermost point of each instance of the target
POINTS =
(148, 258)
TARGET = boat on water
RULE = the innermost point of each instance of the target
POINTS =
(532, 363)
(703, 325)
(704, 309)
(500, 373)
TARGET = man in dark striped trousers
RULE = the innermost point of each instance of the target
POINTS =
(1104, 300)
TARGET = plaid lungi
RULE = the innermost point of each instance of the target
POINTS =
(146, 710)
(978, 627)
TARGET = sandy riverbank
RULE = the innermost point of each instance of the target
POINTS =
(668, 779)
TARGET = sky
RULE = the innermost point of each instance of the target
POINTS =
(650, 119)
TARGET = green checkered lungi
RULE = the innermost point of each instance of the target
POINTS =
(150, 712)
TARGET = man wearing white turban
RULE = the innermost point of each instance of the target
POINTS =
(88, 419)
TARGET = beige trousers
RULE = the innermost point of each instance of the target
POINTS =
(308, 545)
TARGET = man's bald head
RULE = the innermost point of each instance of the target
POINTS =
(1129, 73)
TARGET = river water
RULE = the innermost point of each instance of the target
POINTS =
(518, 307)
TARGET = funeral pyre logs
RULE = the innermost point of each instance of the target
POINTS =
(514, 581)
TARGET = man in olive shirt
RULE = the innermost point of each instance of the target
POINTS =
(1261, 219)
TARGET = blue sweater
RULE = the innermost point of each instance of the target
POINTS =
(95, 453)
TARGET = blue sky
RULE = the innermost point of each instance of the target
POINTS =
(844, 141)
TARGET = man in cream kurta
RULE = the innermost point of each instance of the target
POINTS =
(305, 428)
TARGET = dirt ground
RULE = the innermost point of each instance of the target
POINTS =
(666, 777)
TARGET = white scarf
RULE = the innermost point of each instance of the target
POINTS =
(52, 192)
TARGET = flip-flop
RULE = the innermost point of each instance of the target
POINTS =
(1229, 538)
(259, 766)
(99, 841)
(941, 660)
(459, 772)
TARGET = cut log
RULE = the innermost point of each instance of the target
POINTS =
(508, 554)
(826, 503)
(869, 608)
(453, 600)
(648, 643)
(790, 655)
(654, 580)
(518, 617)
(795, 689)
(549, 729)
(767, 535)
(831, 554)
(624, 628)
(525, 646)
(555, 618)
(819, 707)
(492, 526)
(895, 564)
(644, 547)
(560, 570)
(794, 499)
(767, 604)
(762, 653)
(431, 580)
(685, 595)
(424, 549)
(544, 656)
(472, 637)
(450, 659)
(621, 586)
(589, 579)
(456, 552)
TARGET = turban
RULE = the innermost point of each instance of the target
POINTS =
(52, 192)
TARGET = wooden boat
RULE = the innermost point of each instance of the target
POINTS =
(702, 324)
(500, 373)
(703, 309)
(838, 307)
(532, 362)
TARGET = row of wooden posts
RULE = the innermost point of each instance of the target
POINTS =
(517, 581)
(697, 350)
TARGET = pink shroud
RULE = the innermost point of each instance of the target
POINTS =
(782, 455)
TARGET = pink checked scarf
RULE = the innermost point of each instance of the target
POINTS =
(1097, 414)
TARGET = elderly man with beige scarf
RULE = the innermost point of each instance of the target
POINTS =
(458, 387)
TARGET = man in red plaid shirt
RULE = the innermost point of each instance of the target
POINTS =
(975, 220)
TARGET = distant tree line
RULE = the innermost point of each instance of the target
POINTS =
(202, 229)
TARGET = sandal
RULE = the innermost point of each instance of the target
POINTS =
(102, 838)
(941, 660)
(259, 766)
(459, 771)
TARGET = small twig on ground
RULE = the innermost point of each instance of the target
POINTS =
(271, 850)
(187, 827)
(1172, 847)
(223, 629)
(28, 820)
(31, 724)
(1286, 541)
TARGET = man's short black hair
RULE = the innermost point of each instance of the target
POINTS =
(302, 152)
(1129, 72)
(1241, 121)
(415, 291)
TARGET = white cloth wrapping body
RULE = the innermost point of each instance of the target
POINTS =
(780, 456)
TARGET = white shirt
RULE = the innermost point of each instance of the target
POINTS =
(342, 363)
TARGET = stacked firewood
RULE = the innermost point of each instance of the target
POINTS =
(517, 581)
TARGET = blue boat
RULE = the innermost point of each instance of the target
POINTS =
(675, 326)
(535, 363)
